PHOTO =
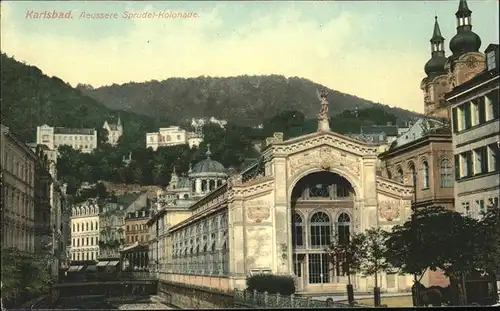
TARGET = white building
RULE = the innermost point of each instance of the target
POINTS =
(172, 136)
(115, 131)
(81, 139)
(202, 121)
(476, 138)
(85, 231)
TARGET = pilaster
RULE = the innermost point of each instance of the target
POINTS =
(281, 220)
(237, 241)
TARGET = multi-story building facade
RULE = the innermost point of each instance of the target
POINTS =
(172, 136)
(84, 140)
(18, 166)
(136, 229)
(476, 138)
(115, 131)
(85, 231)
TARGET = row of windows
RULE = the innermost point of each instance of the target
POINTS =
(445, 174)
(320, 230)
(18, 201)
(136, 238)
(476, 162)
(476, 112)
(164, 138)
(87, 226)
(84, 256)
(476, 208)
(206, 185)
(75, 146)
(24, 172)
(141, 227)
(85, 241)
(85, 210)
(20, 238)
(66, 137)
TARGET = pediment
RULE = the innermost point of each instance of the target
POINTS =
(318, 140)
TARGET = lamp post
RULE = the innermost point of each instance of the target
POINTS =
(416, 287)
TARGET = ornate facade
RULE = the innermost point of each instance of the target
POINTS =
(279, 215)
(85, 231)
(84, 140)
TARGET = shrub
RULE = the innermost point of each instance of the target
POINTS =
(272, 284)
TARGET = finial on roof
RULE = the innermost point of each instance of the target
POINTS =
(173, 171)
(208, 153)
(190, 167)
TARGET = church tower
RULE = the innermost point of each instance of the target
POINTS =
(466, 61)
(435, 84)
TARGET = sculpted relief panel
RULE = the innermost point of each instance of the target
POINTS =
(393, 209)
(325, 158)
(259, 247)
(258, 210)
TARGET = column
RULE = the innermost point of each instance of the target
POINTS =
(282, 234)
(198, 185)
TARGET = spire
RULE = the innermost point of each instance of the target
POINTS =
(190, 167)
(463, 9)
(119, 121)
(173, 171)
(437, 40)
(208, 153)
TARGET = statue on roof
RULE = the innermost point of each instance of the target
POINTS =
(323, 113)
(323, 124)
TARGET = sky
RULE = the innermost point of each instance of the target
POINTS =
(372, 49)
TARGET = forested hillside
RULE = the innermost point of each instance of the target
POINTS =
(243, 99)
(30, 98)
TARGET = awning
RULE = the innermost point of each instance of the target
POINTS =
(102, 263)
(113, 263)
(79, 268)
(73, 268)
(91, 268)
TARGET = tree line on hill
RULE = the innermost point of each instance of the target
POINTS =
(230, 145)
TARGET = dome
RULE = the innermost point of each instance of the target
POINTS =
(208, 166)
(435, 65)
(464, 42)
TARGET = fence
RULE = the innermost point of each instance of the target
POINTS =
(264, 300)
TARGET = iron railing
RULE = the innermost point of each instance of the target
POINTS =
(264, 300)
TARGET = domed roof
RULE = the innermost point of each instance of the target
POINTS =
(207, 166)
(464, 42)
(435, 65)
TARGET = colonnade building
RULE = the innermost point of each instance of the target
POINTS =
(279, 215)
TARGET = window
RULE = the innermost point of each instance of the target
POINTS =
(297, 230)
(466, 164)
(493, 202)
(425, 175)
(480, 207)
(493, 162)
(320, 230)
(87, 226)
(466, 208)
(490, 60)
(492, 105)
(400, 175)
(446, 173)
(343, 228)
(319, 269)
(480, 161)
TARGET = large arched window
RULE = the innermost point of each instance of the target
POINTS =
(446, 174)
(87, 226)
(298, 232)
(320, 230)
(343, 228)
(400, 175)
(425, 175)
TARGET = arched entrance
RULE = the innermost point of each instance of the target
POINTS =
(322, 209)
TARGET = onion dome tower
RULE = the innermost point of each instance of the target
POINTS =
(465, 40)
(436, 64)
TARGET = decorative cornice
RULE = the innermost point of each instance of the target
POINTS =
(251, 187)
(394, 188)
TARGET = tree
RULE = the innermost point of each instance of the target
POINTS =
(489, 231)
(372, 252)
(347, 254)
